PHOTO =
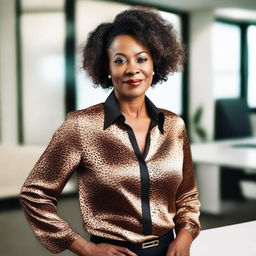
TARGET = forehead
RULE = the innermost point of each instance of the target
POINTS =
(126, 44)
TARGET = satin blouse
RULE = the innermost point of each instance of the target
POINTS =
(124, 194)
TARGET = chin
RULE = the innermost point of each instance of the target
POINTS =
(127, 91)
(135, 92)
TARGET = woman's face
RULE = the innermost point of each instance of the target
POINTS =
(130, 66)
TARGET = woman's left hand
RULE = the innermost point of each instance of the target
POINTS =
(180, 246)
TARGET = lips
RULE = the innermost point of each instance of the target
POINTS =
(133, 82)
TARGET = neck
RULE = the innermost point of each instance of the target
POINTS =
(132, 107)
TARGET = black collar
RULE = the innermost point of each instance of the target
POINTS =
(112, 112)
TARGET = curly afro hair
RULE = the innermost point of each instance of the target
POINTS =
(149, 28)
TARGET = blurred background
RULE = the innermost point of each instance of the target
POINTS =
(41, 81)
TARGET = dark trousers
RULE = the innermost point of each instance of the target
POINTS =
(159, 250)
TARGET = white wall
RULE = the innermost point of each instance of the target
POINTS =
(201, 70)
(8, 85)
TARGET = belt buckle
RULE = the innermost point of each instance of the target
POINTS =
(150, 244)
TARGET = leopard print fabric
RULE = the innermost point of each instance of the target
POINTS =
(109, 181)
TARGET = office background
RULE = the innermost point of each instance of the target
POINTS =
(41, 80)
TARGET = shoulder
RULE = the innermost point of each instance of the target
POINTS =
(172, 119)
(95, 111)
(79, 119)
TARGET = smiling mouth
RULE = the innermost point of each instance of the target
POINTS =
(133, 82)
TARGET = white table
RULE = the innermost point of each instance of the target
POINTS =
(235, 240)
(209, 157)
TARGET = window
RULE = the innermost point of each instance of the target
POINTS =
(226, 60)
(251, 90)
(42, 26)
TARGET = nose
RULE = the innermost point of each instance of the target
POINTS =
(131, 69)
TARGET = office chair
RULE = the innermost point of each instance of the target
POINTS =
(232, 120)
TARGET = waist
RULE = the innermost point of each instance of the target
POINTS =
(160, 241)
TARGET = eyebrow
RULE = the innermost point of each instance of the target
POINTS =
(119, 53)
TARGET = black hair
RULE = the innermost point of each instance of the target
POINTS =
(149, 28)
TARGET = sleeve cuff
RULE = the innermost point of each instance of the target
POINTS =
(194, 229)
(60, 246)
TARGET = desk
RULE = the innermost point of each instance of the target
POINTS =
(209, 157)
(235, 240)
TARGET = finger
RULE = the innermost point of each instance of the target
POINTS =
(119, 254)
(171, 253)
(126, 251)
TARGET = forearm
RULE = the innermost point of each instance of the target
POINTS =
(187, 197)
(181, 245)
(81, 247)
(185, 235)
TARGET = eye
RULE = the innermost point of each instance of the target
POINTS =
(142, 59)
(120, 61)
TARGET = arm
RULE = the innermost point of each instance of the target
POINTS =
(41, 189)
(187, 202)
(187, 225)
(84, 248)
(44, 184)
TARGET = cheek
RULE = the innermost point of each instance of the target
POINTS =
(116, 75)
(115, 81)
(148, 69)
(114, 70)
(148, 73)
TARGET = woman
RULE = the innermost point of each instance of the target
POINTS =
(133, 160)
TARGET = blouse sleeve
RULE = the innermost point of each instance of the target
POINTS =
(39, 193)
(187, 202)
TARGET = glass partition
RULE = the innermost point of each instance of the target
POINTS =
(42, 67)
(226, 60)
(251, 91)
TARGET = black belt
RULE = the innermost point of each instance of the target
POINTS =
(160, 241)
